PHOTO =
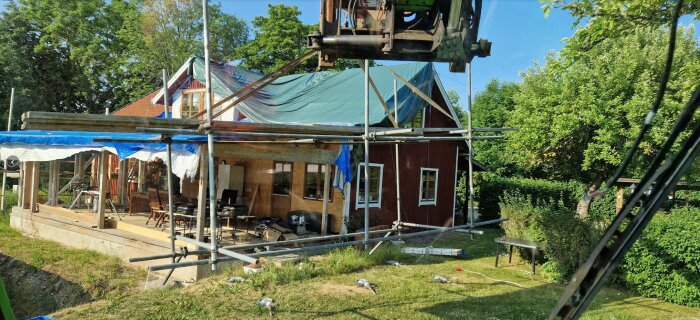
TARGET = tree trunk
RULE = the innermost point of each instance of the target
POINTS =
(584, 205)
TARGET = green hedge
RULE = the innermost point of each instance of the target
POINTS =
(492, 188)
(665, 261)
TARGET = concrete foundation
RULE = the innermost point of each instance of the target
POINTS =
(81, 234)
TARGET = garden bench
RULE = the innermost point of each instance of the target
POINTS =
(535, 247)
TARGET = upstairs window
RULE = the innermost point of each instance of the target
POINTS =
(417, 122)
(375, 185)
(428, 186)
(192, 102)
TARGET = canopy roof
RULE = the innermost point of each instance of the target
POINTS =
(332, 98)
(39, 145)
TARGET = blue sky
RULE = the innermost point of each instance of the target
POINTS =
(518, 29)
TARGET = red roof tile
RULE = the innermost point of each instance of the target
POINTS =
(141, 107)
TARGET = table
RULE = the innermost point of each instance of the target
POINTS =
(532, 245)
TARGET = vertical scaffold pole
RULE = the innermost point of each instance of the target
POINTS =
(396, 149)
(165, 94)
(210, 138)
(169, 165)
(469, 145)
(9, 126)
(366, 136)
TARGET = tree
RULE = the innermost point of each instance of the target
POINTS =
(577, 118)
(492, 107)
(280, 37)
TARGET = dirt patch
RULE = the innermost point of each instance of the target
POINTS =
(335, 289)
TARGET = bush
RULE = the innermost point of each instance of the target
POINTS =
(567, 238)
(492, 188)
(665, 261)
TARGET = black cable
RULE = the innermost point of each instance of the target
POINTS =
(646, 126)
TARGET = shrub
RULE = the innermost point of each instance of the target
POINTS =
(665, 261)
(567, 238)
(492, 188)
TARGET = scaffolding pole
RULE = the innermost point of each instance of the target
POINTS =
(165, 94)
(210, 138)
(366, 138)
(9, 127)
(470, 138)
(324, 246)
(168, 165)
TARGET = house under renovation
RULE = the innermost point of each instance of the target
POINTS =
(288, 161)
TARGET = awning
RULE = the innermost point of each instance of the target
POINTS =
(39, 145)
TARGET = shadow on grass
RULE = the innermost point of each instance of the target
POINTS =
(537, 302)
(35, 292)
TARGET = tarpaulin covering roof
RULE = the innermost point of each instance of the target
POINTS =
(39, 145)
(331, 98)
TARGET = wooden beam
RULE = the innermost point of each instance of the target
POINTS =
(20, 185)
(420, 93)
(326, 197)
(141, 183)
(103, 185)
(202, 194)
(53, 183)
(278, 152)
(35, 120)
(34, 185)
(620, 199)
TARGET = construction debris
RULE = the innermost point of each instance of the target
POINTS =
(235, 280)
(364, 283)
(440, 279)
(267, 303)
(435, 251)
(393, 263)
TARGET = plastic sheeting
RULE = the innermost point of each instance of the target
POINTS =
(37, 145)
(330, 98)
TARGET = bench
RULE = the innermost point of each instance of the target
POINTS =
(527, 244)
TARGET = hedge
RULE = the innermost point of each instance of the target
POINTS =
(492, 188)
(665, 261)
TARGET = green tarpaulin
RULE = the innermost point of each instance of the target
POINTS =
(331, 98)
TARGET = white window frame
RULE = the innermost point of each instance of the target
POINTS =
(358, 204)
(433, 202)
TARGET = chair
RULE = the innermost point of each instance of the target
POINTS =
(157, 212)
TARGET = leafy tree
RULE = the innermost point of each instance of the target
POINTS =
(492, 108)
(280, 37)
(578, 118)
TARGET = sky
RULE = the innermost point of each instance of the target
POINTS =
(517, 28)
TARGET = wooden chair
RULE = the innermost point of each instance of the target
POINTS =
(157, 212)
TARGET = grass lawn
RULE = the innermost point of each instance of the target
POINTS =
(323, 287)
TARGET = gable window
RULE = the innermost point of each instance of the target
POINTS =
(314, 181)
(192, 102)
(375, 185)
(428, 186)
(282, 178)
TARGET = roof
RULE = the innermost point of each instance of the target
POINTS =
(143, 107)
(331, 98)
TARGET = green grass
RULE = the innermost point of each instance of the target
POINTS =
(323, 287)
(79, 276)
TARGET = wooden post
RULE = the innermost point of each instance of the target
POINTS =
(202, 194)
(326, 196)
(619, 200)
(20, 185)
(53, 183)
(122, 181)
(103, 174)
(141, 184)
(34, 185)
(94, 179)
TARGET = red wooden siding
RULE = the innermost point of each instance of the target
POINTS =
(440, 155)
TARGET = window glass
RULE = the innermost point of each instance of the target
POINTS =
(282, 178)
(314, 181)
(428, 192)
(375, 176)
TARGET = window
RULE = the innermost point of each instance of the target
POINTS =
(193, 102)
(282, 178)
(314, 181)
(375, 185)
(428, 186)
